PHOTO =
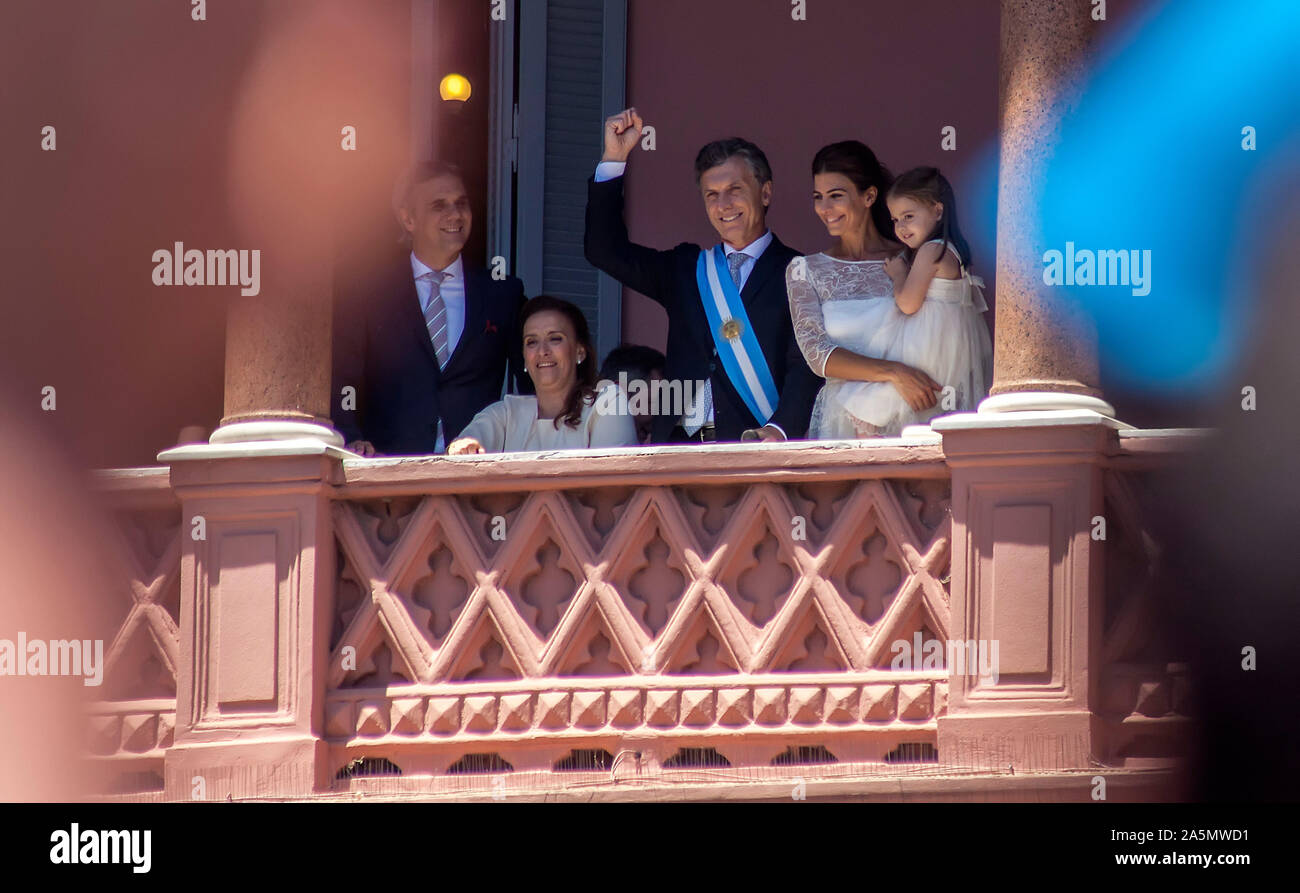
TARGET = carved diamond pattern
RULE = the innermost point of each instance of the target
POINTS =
(595, 651)
(387, 615)
(653, 560)
(489, 516)
(915, 701)
(625, 708)
(707, 510)
(703, 649)
(142, 659)
(695, 580)
(442, 593)
(383, 521)
(597, 511)
(818, 503)
(372, 720)
(758, 566)
(879, 702)
(661, 708)
(486, 657)
(516, 712)
(811, 649)
(480, 713)
(407, 716)
(734, 706)
(697, 707)
(444, 714)
(926, 502)
(589, 709)
(553, 709)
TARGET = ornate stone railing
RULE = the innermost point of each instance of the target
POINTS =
(133, 723)
(675, 610)
(569, 619)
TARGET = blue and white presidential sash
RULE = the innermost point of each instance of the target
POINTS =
(734, 336)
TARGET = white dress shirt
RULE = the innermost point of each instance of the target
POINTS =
(609, 170)
(453, 297)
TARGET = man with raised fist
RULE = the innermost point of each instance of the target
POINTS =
(728, 314)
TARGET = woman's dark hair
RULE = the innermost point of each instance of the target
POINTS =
(856, 161)
(585, 391)
(926, 184)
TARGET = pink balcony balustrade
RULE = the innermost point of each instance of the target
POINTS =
(655, 619)
(663, 622)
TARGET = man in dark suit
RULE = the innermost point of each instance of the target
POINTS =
(735, 182)
(425, 342)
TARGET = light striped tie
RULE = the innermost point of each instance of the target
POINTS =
(435, 315)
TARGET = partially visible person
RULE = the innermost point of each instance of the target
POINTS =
(841, 298)
(561, 362)
(630, 363)
(425, 340)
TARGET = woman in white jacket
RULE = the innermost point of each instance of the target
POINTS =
(566, 412)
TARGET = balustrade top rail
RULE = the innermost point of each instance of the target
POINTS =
(730, 463)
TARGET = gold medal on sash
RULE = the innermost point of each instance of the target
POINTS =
(730, 329)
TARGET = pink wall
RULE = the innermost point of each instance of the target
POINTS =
(144, 100)
(889, 74)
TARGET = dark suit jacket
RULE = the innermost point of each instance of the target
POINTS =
(668, 277)
(382, 348)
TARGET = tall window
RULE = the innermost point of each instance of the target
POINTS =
(556, 75)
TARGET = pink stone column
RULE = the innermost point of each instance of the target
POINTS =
(258, 566)
(1027, 468)
(1045, 350)
(277, 381)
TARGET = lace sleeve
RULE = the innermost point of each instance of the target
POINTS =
(806, 313)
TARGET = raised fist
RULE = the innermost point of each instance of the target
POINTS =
(622, 133)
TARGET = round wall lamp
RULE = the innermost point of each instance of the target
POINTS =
(454, 88)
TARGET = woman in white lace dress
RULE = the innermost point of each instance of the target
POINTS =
(842, 298)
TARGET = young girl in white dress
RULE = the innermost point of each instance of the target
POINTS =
(935, 322)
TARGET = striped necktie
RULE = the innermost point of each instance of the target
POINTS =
(435, 315)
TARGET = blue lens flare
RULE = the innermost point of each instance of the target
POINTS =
(1152, 159)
